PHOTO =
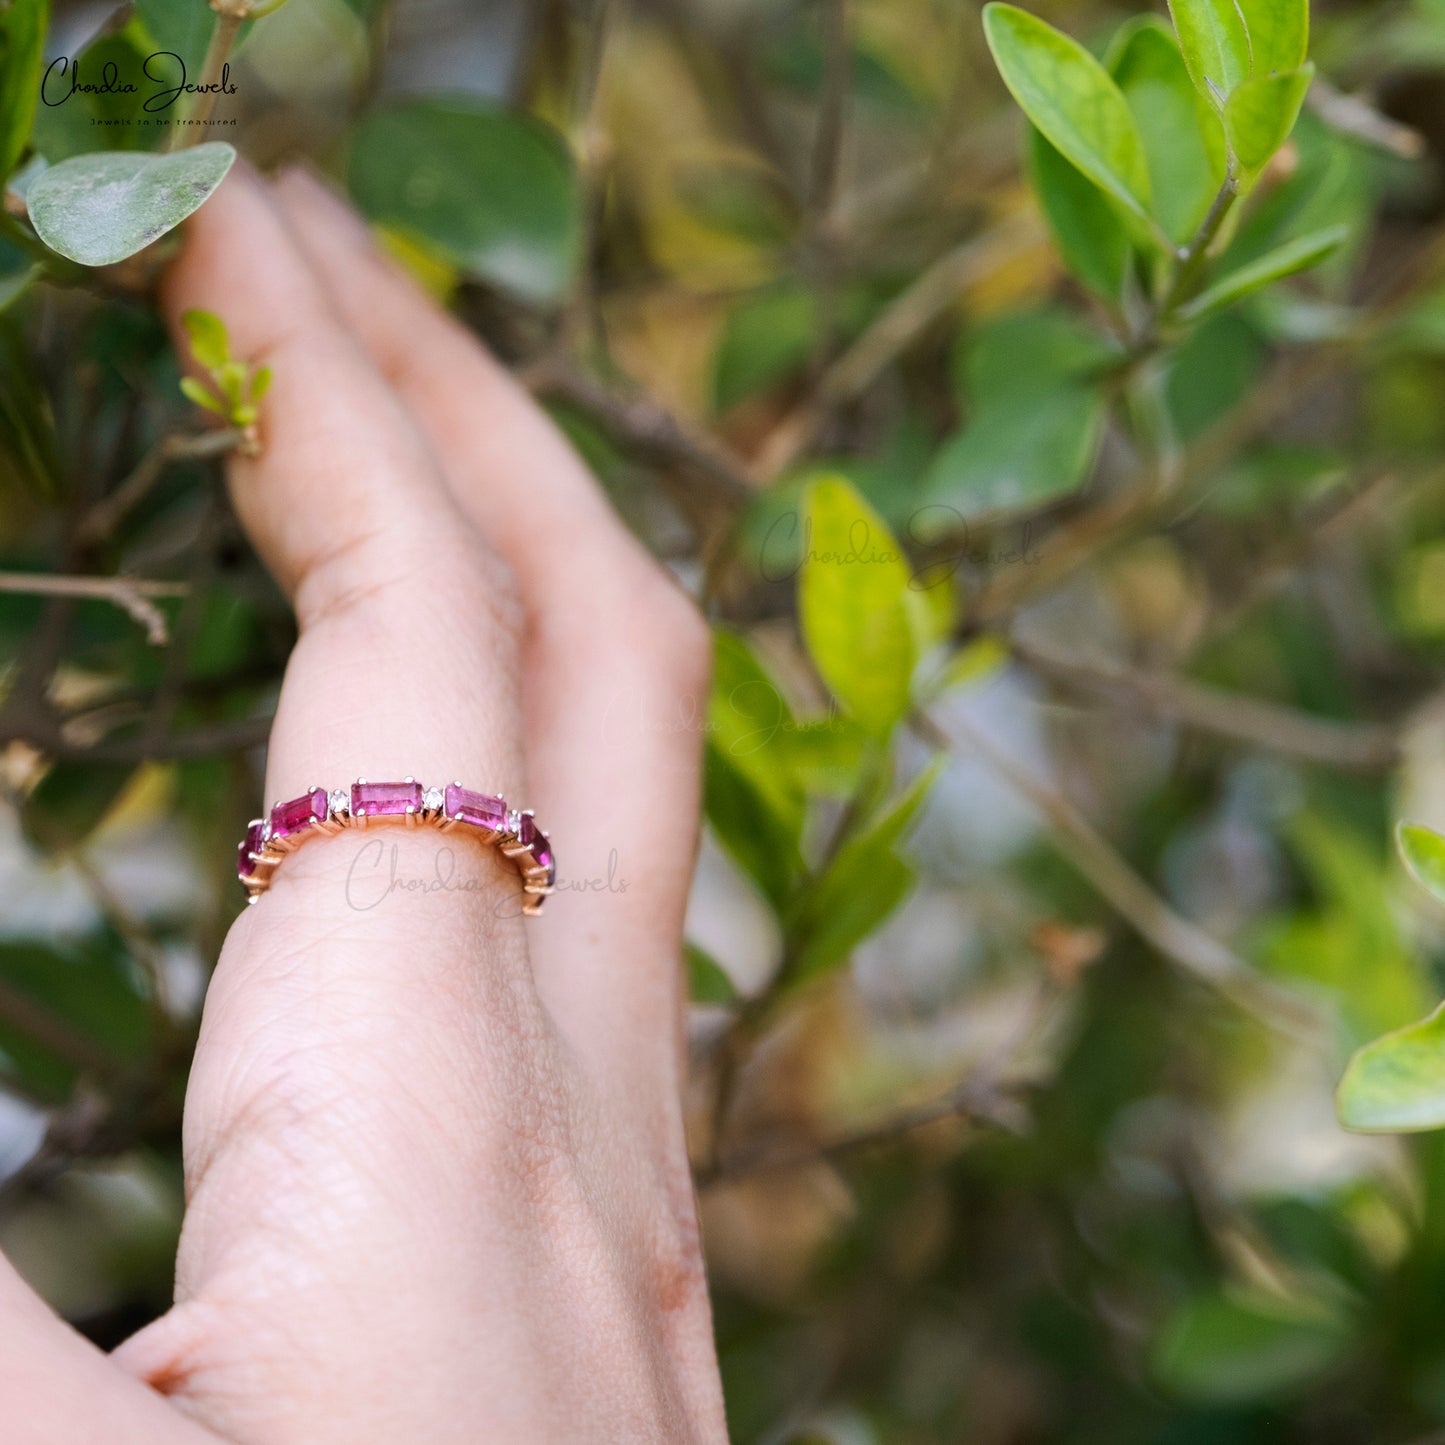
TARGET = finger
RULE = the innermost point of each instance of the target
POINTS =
(57, 1386)
(616, 660)
(360, 1068)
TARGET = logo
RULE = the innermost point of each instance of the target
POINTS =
(163, 74)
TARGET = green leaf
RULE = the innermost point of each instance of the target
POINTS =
(1288, 260)
(22, 47)
(100, 208)
(852, 605)
(1183, 136)
(1423, 850)
(707, 981)
(865, 884)
(1215, 44)
(1224, 1350)
(29, 448)
(749, 719)
(1036, 417)
(199, 393)
(1091, 236)
(763, 845)
(973, 663)
(1261, 113)
(261, 380)
(207, 333)
(1014, 459)
(1397, 1083)
(1073, 100)
(494, 193)
(1279, 34)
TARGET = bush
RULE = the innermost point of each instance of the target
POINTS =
(1064, 490)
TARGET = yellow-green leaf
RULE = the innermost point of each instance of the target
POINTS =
(1215, 45)
(1279, 34)
(207, 334)
(1073, 100)
(1423, 850)
(1397, 1083)
(22, 45)
(1261, 113)
(852, 605)
(1287, 260)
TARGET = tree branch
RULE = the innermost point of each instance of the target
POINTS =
(1189, 947)
(1354, 747)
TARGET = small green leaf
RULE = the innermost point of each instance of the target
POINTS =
(1423, 850)
(22, 47)
(1397, 1083)
(1183, 136)
(207, 333)
(197, 392)
(852, 605)
(707, 981)
(1091, 236)
(1009, 460)
(260, 382)
(764, 845)
(1279, 34)
(973, 663)
(493, 192)
(1227, 1350)
(1035, 417)
(749, 719)
(1215, 44)
(1261, 113)
(1073, 100)
(100, 208)
(1288, 260)
(865, 884)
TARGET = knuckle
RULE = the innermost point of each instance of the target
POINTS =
(668, 627)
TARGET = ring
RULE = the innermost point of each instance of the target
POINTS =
(319, 812)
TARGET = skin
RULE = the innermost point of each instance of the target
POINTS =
(436, 1181)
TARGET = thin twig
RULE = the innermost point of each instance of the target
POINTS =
(190, 129)
(1188, 946)
(647, 427)
(910, 314)
(1351, 116)
(1354, 747)
(972, 1101)
(108, 513)
(198, 742)
(131, 594)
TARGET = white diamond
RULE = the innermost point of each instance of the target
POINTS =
(266, 831)
(514, 820)
(340, 800)
(433, 798)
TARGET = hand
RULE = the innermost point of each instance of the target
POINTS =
(436, 1182)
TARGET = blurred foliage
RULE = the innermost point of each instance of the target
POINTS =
(1065, 490)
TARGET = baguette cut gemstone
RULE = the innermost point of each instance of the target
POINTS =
(481, 810)
(379, 800)
(299, 814)
(542, 852)
(529, 833)
(254, 841)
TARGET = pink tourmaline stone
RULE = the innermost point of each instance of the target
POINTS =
(529, 833)
(542, 852)
(245, 863)
(299, 813)
(479, 809)
(376, 800)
